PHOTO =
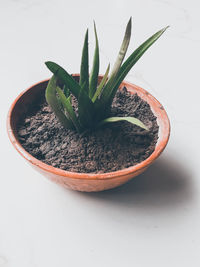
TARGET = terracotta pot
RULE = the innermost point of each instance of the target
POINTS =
(87, 182)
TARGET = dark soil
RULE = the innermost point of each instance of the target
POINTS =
(115, 146)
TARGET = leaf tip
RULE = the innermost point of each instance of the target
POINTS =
(165, 28)
(95, 32)
(128, 27)
(47, 63)
(130, 22)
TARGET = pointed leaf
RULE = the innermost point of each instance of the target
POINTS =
(122, 51)
(101, 85)
(117, 65)
(84, 72)
(65, 77)
(95, 68)
(52, 100)
(70, 83)
(86, 112)
(68, 108)
(129, 63)
(133, 58)
(132, 120)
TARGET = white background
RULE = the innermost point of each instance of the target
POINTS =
(154, 220)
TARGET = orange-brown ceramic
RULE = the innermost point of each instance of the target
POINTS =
(87, 182)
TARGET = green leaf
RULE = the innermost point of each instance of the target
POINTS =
(95, 68)
(85, 109)
(133, 58)
(94, 101)
(132, 120)
(101, 85)
(122, 51)
(70, 83)
(121, 55)
(68, 108)
(52, 100)
(84, 72)
(59, 102)
(108, 96)
(64, 77)
(66, 91)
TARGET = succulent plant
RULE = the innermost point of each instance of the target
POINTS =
(94, 99)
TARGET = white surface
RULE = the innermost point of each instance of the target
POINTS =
(153, 220)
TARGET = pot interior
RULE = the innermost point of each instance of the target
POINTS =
(36, 94)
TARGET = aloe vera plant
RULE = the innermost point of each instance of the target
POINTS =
(94, 99)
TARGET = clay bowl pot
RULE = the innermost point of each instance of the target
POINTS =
(87, 182)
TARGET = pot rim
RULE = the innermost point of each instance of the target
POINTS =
(91, 176)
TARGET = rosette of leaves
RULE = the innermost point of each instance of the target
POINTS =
(94, 98)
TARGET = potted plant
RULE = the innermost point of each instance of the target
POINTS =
(88, 135)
